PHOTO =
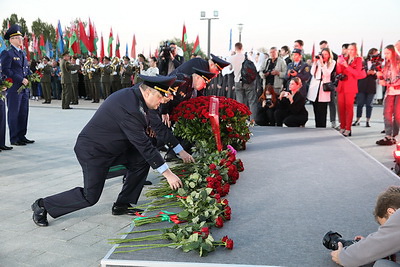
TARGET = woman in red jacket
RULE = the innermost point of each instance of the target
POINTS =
(350, 69)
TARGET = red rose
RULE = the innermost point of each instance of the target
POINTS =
(212, 166)
(217, 197)
(229, 243)
(219, 222)
(224, 201)
(224, 239)
(9, 80)
(205, 231)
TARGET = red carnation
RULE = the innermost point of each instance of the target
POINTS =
(9, 80)
(224, 239)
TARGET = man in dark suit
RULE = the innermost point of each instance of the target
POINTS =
(120, 132)
(298, 68)
(15, 66)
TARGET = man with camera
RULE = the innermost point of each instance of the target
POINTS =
(273, 71)
(169, 58)
(382, 246)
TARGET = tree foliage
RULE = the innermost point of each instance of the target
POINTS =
(39, 27)
(13, 19)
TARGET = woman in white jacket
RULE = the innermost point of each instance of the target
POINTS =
(321, 70)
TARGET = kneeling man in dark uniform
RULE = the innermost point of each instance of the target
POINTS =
(121, 132)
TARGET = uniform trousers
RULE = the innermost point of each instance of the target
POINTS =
(95, 90)
(94, 178)
(75, 92)
(46, 88)
(2, 123)
(346, 109)
(107, 89)
(17, 116)
(66, 95)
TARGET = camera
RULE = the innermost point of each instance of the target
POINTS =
(331, 240)
(376, 61)
(166, 49)
(341, 77)
(318, 56)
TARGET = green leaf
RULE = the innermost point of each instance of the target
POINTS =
(183, 214)
(192, 185)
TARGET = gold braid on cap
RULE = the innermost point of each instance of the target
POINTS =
(15, 34)
(205, 78)
(162, 90)
(220, 69)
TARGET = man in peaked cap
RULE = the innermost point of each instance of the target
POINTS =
(214, 65)
(193, 87)
(15, 66)
(120, 132)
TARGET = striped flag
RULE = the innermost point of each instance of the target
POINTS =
(196, 46)
(184, 38)
(230, 40)
(117, 45)
(381, 48)
(109, 47)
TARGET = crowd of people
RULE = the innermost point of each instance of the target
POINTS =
(134, 121)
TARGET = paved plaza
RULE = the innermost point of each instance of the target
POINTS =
(49, 166)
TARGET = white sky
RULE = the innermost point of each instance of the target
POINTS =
(266, 23)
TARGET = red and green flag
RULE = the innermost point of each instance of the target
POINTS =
(184, 38)
(84, 39)
(42, 48)
(101, 48)
(109, 46)
(91, 37)
(196, 46)
(117, 45)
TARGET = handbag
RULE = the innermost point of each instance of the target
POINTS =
(328, 87)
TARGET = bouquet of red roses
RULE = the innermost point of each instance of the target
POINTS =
(5, 84)
(192, 121)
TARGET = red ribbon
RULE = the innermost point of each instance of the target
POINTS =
(214, 119)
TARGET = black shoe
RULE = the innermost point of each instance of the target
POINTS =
(6, 147)
(67, 108)
(356, 123)
(19, 143)
(27, 141)
(147, 183)
(367, 125)
(39, 216)
(386, 142)
(383, 132)
(124, 209)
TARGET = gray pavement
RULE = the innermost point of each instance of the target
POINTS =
(49, 166)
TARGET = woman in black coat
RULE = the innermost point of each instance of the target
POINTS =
(367, 86)
(291, 110)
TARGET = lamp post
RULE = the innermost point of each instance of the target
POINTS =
(240, 27)
(203, 17)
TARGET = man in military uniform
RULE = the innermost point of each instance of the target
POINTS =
(15, 66)
(94, 77)
(126, 73)
(120, 132)
(298, 68)
(106, 73)
(75, 81)
(214, 65)
(116, 79)
(66, 80)
(45, 81)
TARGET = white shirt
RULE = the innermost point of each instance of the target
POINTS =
(236, 61)
(152, 71)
